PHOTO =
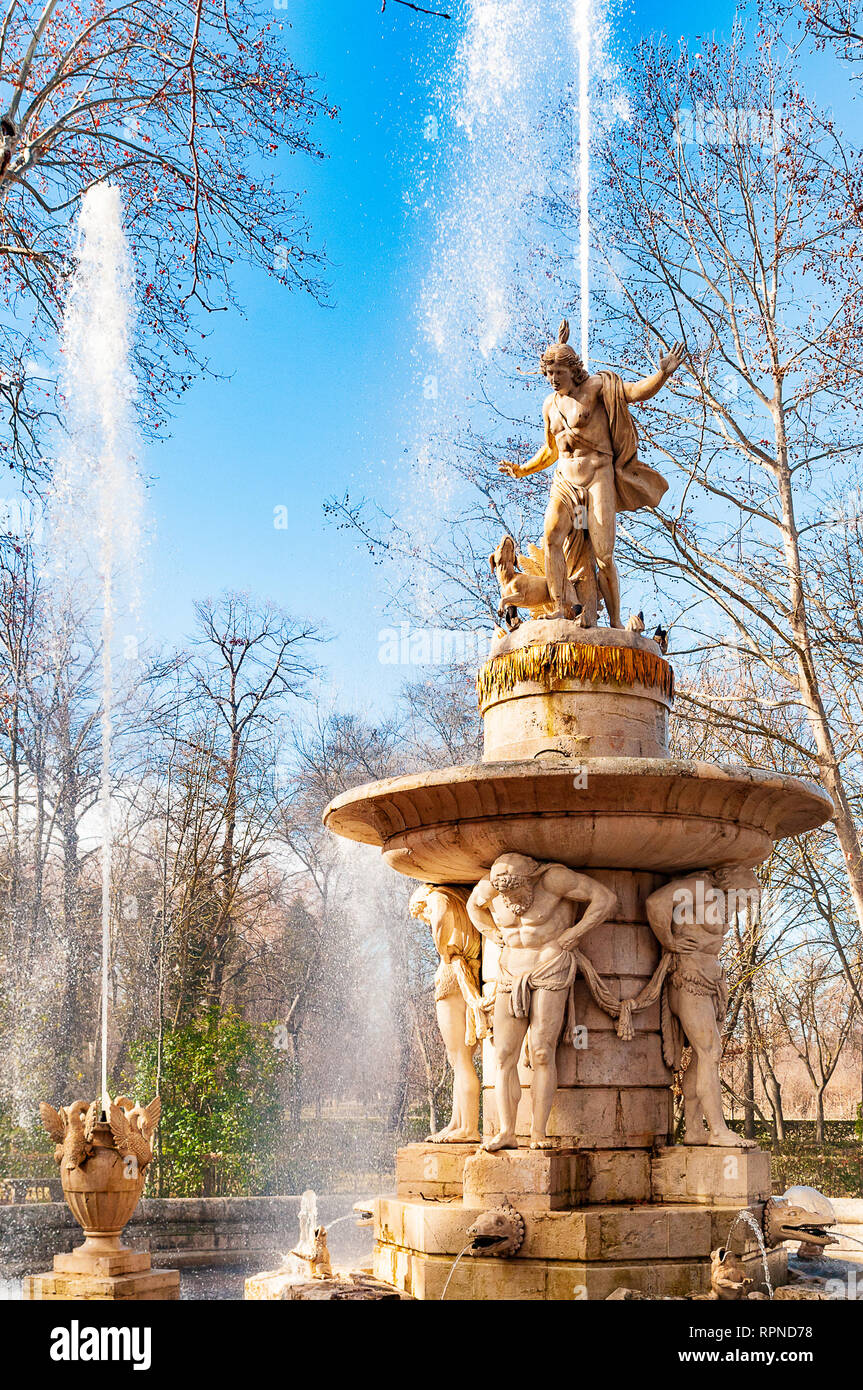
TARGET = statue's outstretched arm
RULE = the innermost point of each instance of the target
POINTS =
(644, 390)
(546, 456)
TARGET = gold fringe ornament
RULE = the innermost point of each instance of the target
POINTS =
(561, 661)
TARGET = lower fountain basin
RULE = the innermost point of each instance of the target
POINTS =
(659, 814)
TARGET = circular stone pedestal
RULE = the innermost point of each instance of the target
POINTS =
(553, 688)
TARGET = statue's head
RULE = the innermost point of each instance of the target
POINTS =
(561, 364)
(419, 900)
(735, 876)
(514, 877)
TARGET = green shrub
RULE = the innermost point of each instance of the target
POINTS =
(221, 1106)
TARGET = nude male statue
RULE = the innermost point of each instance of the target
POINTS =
(590, 435)
(530, 909)
(689, 918)
(459, 1003)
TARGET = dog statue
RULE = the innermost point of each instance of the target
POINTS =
(528, 587)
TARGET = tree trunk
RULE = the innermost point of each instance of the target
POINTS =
(819, 1114)
(748, 1067)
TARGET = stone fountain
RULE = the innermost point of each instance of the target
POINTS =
(596, 875)
(103, 1151)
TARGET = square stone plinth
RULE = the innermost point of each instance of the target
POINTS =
(118, 1262)
(433, 1171)
(596, 1117)
(147, 1285)
(713, 1176)
(531, 1179)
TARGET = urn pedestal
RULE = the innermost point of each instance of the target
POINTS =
(576, 772)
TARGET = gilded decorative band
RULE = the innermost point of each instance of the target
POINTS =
(560, 661)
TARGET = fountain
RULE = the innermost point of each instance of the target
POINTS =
(102, 1147)
(598, 876)
(307, 1273)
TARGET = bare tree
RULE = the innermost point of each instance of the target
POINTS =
(250, 660)
(184, 107)
(745, 236)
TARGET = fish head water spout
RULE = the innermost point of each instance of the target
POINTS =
(801, 1213)
(497, 1232)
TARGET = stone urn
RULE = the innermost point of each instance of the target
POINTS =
(103, 1152)
(103, 1159)
(102, 1194)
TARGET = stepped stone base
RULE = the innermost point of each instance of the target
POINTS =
(594, 1220)
(701, 1173)
(120, 1275)
(425, 1276)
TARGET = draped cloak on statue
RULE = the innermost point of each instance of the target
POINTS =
(635, 483)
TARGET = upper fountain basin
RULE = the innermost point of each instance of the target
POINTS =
(658, 814)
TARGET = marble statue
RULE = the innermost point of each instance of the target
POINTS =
(459, 1003)
(529, 909)
(689, 917)
(591, 437)
(527, 587)
(70, 1127)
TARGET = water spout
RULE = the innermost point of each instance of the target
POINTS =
(748, 1218)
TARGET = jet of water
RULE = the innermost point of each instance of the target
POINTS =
(746, 1217)
(95, 513)
(581, 23)
(456, 1262)
(308, 1223)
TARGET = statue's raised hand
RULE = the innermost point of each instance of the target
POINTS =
(512, 470)
(672, 360)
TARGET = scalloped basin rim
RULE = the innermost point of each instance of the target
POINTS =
(448, 821)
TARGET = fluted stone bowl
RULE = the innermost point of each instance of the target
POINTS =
(659, 814)
(102, 1194)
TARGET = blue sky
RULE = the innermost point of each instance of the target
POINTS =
(322, 399)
